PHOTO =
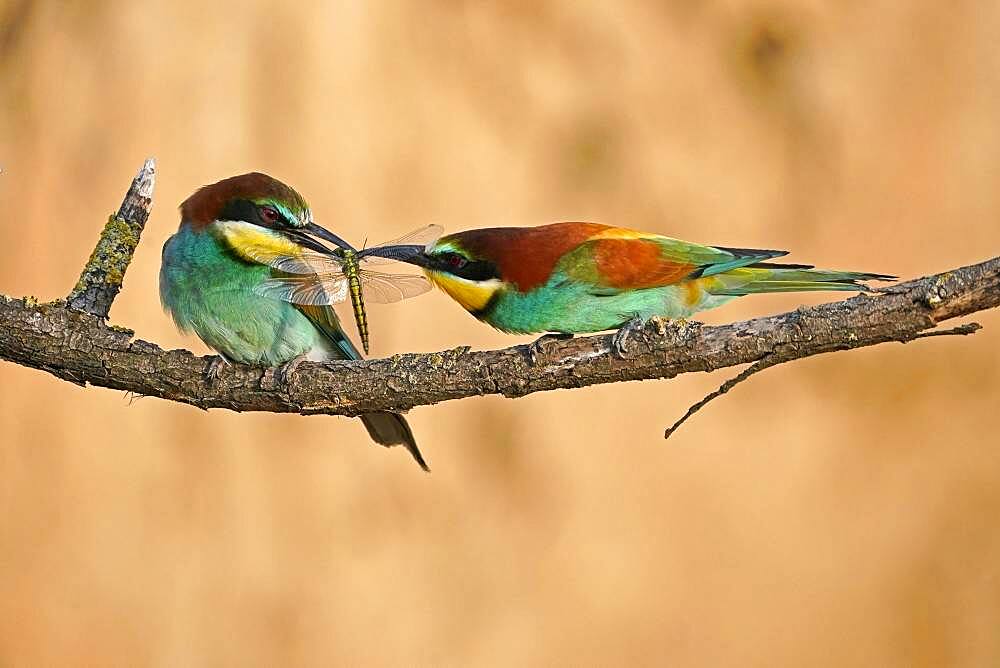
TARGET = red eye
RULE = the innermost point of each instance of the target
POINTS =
(269, 214)
(456, 261)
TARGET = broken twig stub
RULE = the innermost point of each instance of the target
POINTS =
(102, 276)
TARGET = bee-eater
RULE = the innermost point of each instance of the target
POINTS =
(571, 278)
(216, 260)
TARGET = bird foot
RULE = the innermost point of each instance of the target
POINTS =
(662, 324)
(283, 374)
(537, 347)
(213, 374)
(619, 342)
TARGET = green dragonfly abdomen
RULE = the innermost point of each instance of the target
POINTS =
(351, 270)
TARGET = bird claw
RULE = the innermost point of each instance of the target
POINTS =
(213, 374)
(619, 342)
(283, 374)
(537, 347)
(662, 324)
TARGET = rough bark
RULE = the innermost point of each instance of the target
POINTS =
(79, 346)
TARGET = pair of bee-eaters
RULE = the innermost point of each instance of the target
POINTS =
(230, 271)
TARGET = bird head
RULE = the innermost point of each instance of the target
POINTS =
(257, 217)
(476, 267)
(468, 273)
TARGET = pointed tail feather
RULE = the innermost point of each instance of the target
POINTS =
(742, 257)
(391, 429)
(764, 277)
(385, 428)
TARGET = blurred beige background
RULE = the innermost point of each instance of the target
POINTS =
(837, 511)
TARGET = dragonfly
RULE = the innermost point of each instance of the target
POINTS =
(315, 278)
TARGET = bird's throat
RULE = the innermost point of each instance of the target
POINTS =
(474, 296)
(254, 243)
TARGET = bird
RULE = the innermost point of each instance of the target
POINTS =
(577, 277)
(214, 264)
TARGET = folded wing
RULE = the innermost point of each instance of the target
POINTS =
(619, 264)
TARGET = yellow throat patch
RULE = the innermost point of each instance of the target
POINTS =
(255, 243)
(472, 295)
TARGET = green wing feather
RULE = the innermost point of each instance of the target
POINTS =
(325, 319)
(673, 259)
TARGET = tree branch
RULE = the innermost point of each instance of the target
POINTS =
(80, 347)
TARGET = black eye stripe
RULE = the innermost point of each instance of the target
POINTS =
(247, 211)
(473, 270)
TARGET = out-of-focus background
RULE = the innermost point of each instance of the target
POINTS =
(836, 511)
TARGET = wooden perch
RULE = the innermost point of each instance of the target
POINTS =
(72, 341)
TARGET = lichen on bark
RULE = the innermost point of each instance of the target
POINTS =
(110, 257)
(102, 276)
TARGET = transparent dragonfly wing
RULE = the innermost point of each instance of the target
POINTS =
(380, 288)
(321, 289)
(423, 236)
(310, 290)
(318, 279)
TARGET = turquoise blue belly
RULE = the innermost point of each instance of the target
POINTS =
(579, 308)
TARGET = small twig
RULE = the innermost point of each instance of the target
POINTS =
(961, 330)
(102, 276)
(773, 359)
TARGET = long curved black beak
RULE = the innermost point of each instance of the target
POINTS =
(304, 236)
(326, 235)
